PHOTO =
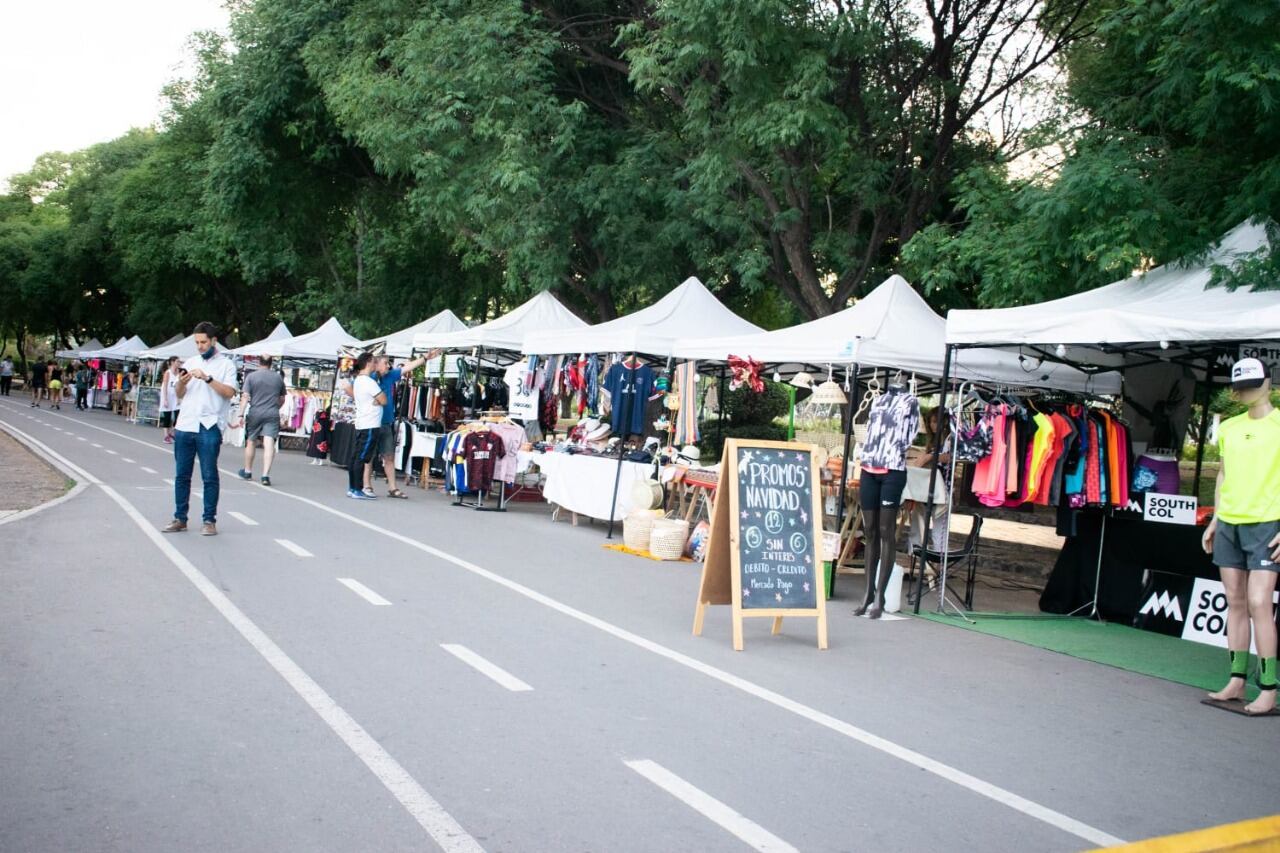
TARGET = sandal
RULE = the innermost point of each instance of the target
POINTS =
(396, 493)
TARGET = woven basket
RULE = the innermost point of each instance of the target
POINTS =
(636, 528)
(666, 542)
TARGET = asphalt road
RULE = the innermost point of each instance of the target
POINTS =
(337, 675)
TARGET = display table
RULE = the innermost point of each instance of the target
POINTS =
(583, 484)
(1130, 547)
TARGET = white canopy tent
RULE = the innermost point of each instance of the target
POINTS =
(89, 346)
(686, 312)
(185, 348)
(121, 350)
(320, 344)
(893, 327)
(1174, 304)
(401, 343)
(542, 313)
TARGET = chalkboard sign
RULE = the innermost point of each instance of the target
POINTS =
(764, 554)
(149, 403)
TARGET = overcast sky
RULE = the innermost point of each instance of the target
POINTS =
(76, 72)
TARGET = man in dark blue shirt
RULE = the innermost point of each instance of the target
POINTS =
(387, 377)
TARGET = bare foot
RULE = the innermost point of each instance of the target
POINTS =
(1264, 704)
(1233, 691)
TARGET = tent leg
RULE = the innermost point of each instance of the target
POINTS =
(720, 409)
(842, 489)
(1206, 398)
(617, 475)
(933, 477)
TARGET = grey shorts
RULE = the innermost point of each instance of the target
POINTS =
(1245, 546)
(387, 440)
(260, 427)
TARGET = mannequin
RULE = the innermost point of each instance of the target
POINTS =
(1244, 536)
(892, 424)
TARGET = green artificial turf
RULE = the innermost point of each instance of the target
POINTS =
(1144, 652)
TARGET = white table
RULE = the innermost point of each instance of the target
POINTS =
(583, 485)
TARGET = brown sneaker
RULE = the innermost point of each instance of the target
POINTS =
(209, 529)
(174, 526)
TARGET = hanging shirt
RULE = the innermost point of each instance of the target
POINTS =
(892, 424)
(629, 389)
(482, 450)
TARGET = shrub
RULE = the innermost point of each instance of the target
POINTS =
(712, 443)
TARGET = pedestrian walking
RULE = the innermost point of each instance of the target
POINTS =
(39, 371)
(55, 385)
(369, 400)
(82, 379)
(6, 376)
(387, 379)
(206, 385)
(169, 397)
(262, 396)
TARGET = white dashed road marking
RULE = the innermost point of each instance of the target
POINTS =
(149, 470)
(243, 519)
(481, 665)
(294, 548)
(364, 592)
(748, 831)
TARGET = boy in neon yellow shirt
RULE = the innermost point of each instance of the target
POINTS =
(1244, 536)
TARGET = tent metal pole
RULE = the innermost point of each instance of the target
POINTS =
(720, 403)
(842, 490)
(933, 476)
(617, 475)
(1205, 401)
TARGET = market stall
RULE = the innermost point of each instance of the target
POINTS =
(111, 366)
(401, 344)
(1168, 331)
(687, 311)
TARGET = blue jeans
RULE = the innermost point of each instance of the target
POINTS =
(186, 447)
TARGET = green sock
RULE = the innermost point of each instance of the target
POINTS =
(1239, 663)
(1267, 672)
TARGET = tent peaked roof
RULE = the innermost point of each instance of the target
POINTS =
(320, 344)
(75, 352)
(401, 343)
(688, 311)
(542, 313)
(122, 350)
(891, 327)
(279, 333)
(1174, 302)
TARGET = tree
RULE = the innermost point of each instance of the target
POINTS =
(1166, 140)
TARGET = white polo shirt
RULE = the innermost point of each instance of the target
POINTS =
(201, 405)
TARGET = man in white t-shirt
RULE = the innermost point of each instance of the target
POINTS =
(206, 383)
(369, 401)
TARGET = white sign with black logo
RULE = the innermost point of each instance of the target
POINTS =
(1207, 616)
(1170, 509)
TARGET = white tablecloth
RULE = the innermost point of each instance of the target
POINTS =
(584, 484)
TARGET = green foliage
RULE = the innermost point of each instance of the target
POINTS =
(746, 407)
(1165, 142)
(712, 444)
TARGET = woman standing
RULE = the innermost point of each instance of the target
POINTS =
(169, 398)
(55, 384)
(82, 378)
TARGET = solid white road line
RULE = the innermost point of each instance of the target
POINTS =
(243, 519)
(751, 833)
(364, 592)
(149, 470)
(431, 816)
(293, 547)
(971, 783)
(483, 666)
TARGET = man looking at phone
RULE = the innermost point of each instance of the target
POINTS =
(206, 383)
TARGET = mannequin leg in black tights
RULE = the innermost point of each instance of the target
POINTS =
(871, 525)
(881, 526)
